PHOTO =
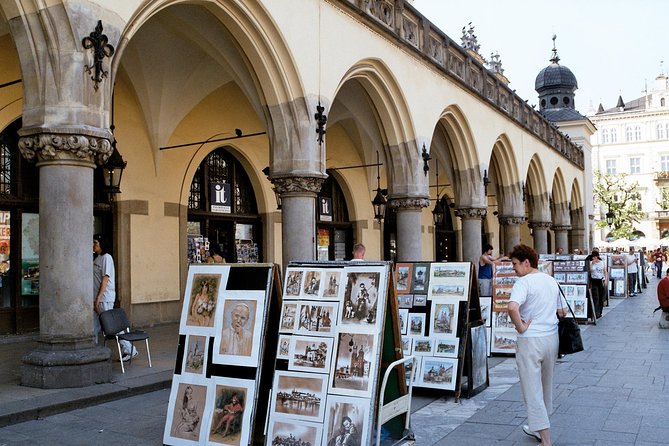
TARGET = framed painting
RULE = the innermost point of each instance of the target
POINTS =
(310, 354)
(363, 299)
(283, 346)
(407, 370)
(332, 283)
(423, 346)
(502, 320)
(288, 317)
(479, 358)
(403, 276)
(503, 340)
(186, 411)
(354, 366)
(444, 317)
(202, 295)
(419, 300)
(446, 347)
(239, 321)
(407, 343)
(230, 418)
(300, 396)
(316, 317)
(417, 324)
(347, 421)
(449, 280)
(438, 373)
(405, 300)
(293, 283)
(404, 320)
(284, 431)
(421, 277)
(195, 355)
(311, 288)
(617, 273)
(486, 309)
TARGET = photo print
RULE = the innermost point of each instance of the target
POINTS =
(240, 321)
(407, 371)
(293, 284)
(202, 297)
(407, 343)
(194, 359)
(310, 354)
(438, 373)
(486, 309)
(185, 411)
(405, 300)
(403, 276)
(438, 290)
(282, 348)
(403, 320)
(316, 317)
(416, 324)
(312, 284)
(502, 319)
(423, 346)
(503, 340)
(445, 317)
(298, 395)
(288, 317)
(446, 347)
(332, 283)
(419, 300)
(230, 419)
(354, 365)
(421, 277)
(346, 422)
(286, 432)
(361, 300)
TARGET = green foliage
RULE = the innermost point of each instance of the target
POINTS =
(664, 199)
(615, 194)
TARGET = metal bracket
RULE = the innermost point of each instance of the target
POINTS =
(101, 49)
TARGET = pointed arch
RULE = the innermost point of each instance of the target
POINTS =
(504, 168)
(537, 191)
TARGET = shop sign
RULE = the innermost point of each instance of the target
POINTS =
(221, 198)
(325, 209)
(323, 237)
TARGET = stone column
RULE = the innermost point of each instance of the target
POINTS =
(471, 233)
(298, 220)
(66, 355)
(562, 237)
(511, 228)
(540, 235)
(409, 237)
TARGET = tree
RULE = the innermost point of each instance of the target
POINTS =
(616, 195)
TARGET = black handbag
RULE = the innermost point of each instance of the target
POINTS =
(569, 332)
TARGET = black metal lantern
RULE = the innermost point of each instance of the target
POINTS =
(112, 172)
(609, 217)
(438, 213)
(379, 202)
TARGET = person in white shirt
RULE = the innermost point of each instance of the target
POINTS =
(533, 308)
(358, 252)
(632, 270)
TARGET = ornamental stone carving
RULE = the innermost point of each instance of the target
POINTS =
(559, 228)
(505, 221)
(54, 146)
(298, 185)
(540, 225)
(409, 203)
(471, 213)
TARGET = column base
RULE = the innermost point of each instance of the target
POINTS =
(59, 363)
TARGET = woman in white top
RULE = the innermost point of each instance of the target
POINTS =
(598, 282)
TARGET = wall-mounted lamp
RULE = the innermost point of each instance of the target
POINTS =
(112, 171)
(486, 181)
(379, 202)
(609, 217)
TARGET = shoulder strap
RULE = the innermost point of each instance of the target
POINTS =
(565, 299)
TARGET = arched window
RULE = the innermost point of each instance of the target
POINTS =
(661, 102)
(605, 136)
(660, 131)
(637, 133)
(614, 135)
(628, 134)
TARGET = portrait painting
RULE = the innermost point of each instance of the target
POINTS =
(479, 365)
(354, 365)
(310, 354)
(332, 283)
(203, 287)
(421, 277)
(288, 317)
(312, 284)
(438, 373)
(405, 300)
(416, 324)
(240, 323)
(503, 340)
(185, 411)
(444, 317)
(194, 359)
(346, 422)
(230, 418)
(293, 284)
(403, 320)
(486, 308)
(423, 346)
(403, 276)
(419, 300)
(316, 317)
(287, 432)
(361, 300)
(283, 346)
(446, 347)
(299, 395)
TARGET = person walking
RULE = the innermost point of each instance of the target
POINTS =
(659, 258)
(598, 282)
(535, 301)
(632, 268)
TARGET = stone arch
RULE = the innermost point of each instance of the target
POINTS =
(537, 191)
(559, 207)
(504, 170)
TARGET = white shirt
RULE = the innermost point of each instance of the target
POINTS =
(631, 267)
(103, 265)
(539, 298)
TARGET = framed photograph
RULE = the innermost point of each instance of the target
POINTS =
(444, 317)
(617, 273)
(407, 343)
(311, 288)
(421, 277)
(363, 299)
(503, 340)
(446, 347)
(284, 431)
(439, 290)
(316, 317)
(300, 396)
(419, 300)
(230, 420)
(479, 364)
(347, 421)
(486, 309)
(195, 355)
(283, 347)
(508, 281)
(354, 366)
(404, 320)
(293, 284)
(186, 411)
(438, 373)
(202, 293)
(417, 324)
(239, 321)
(502, 319)
(504, 269)
(579, 306)
(407, 371)
(310, 354)
(423, 346)
(288, 317)
(405, 300)
(581, 278)
(403, 276)
(332, 283)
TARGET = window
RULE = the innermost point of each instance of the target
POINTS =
(611, 167)
(666, 129)
(637, 133)
(614, 135)
(664, 163)
(605, 136)
(661, 102)
(660, 131)
(635, 165)
(628, 134)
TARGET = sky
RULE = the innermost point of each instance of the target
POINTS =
(613, 47)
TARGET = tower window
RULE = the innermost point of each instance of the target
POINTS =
(566, 100)
(554, 100)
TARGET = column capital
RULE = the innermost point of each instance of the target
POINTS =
(47, 147)
(409, 203)
(298, 185)
(559, 228)
(540, 225)
(471, 213)
(510, 220)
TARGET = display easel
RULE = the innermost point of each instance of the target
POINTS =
(572, 275)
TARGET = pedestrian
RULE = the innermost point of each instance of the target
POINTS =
(632, 268)
(104, 291)
(359, 252)
(598, 282)
(486, 261)
(659, 258)
(534, 303)
(663, 300)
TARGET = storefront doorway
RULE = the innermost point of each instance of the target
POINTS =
(334, 230)
(444, 236)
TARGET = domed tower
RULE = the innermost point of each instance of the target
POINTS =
(556, 85)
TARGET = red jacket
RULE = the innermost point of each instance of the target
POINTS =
(663, 292)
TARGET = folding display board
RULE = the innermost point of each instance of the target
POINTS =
(503, 333)
(222, 350)
(617, 265)
(572, 275)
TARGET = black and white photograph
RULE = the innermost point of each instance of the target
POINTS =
(316, 317)
(310, 354)
(354, 365)
(361, 300)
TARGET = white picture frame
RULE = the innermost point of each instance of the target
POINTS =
(416, 324)
(356, 409)
(195, 354)
(363, 299)
(288, 319)
(423, 346)
(446, 347)
(200, 303)
(316, 318)
(292, 286)
(310, 354)
(291, 385)
(282, 429)
(354, 376)
(187, 411)
(221, 398)
(444, 317)
(404, 320)
(283, 347)
(312, 284)
(438, 373)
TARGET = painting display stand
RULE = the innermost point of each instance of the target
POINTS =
(572, 275)
(335, 336)
(439, 307)
(503, 332)
(617, 266)
(222, 350)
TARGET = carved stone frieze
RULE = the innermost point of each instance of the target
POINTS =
(409, 203)
(54, 146)
(471, 213)
(558, 228)
(298, 184)
(540, 225)
(504, 221)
